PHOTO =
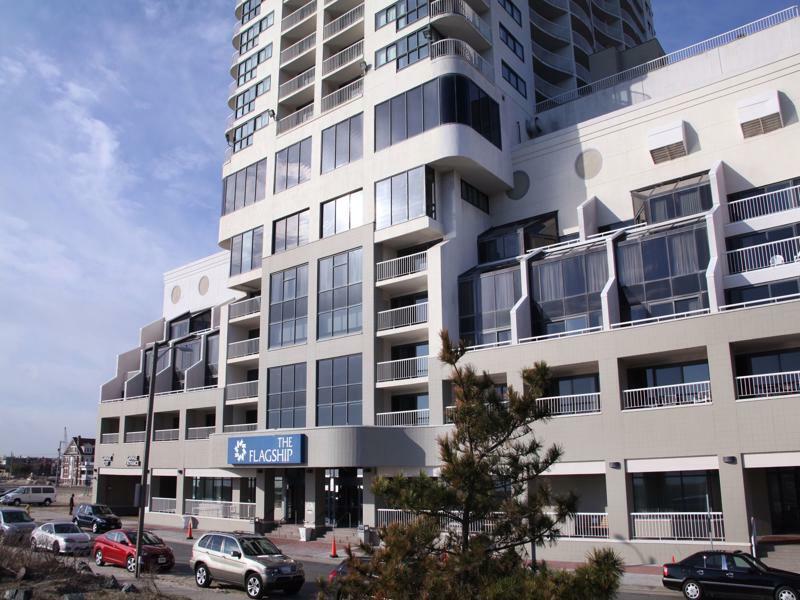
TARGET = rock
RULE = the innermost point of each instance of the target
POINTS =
(83, 567)
(109, 583)
(18, 594)
(21, 574)
(73, 596)
(129, 588)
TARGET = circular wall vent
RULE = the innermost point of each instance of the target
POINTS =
(175, 295)
(522, 184)
(202, 285)
(588, 163)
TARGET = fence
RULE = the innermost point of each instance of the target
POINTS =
(668, 395)
(693, 526)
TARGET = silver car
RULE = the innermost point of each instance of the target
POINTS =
(248, 561)
(16, 525)
(61, 537)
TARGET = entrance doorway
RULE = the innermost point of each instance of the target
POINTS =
(294, 509)
(344, 491)
(784, 499)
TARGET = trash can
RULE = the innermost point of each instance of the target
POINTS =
(306, 533)
(259, 527)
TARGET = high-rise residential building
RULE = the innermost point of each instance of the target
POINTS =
(389, 175)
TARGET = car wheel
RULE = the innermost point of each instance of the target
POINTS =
(253, 585)
(47, 501)
(201, 576)
(17, 501)
(98, 558)
(785, 593)
(692, 590)
(95, 528)
(56, 548)
(130, 564)
(34, 547)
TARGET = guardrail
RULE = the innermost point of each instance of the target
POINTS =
(243, 348)
(662, 318)
(769, 385)
(698, 392)
(388, 516)
(166, 435)
(403, 316)
(109, 438)
(344, 94)
(576, 404)
(163, 505)
(459, 7)
(764, 204)
(238, 391)
(199, 433)
(298, 16)
(693, 526)
(402, 266)
(220, 510)
(560, 334)
(342, 58)
(295, 119)
(298, 48)
(135, 436)
(405, 368)
(342, 22)
(296, 83)
(461, 49)
(761, 256)
(250, 306)
(239, 427)
(583, 525)
(404, 418)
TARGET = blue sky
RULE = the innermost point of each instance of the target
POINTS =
(111, 143)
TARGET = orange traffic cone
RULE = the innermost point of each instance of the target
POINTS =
(673, 558)
(333, 549)
(189, 530)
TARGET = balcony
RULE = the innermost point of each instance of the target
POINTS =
(456, 19)
(163, 505)
(405, 316)
(295, 119)
(770, 385)
(109, 438)
(690, 526)
(577, 404)
(133, 437)
(551, 28)
(578, 11)
(244, 308)
(404, 418)
(610, 31)
(290, 57)
(166, 435)
(608, 7)
(402, 266)
(199, 433)
(583, 525)
(461, 49)
(337, 63)
(343, 23)
(243, 348)
(762, 256)
(299, 19)
(220, 510)
(562, 63)
(297, 84)
(547, 89)
(681, 394)
(241, 391)
(343, 95)
(239, 427)
(403, 370)
(764, 204)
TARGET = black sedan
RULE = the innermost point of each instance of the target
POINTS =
(97, 517)
(729, 575)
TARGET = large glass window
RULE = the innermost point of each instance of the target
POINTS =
(343, 143)
(246, 101)
(673, 199)
(405, 196)
(471, 194)
(246, 251)
(676, 491)
(293, 165)
(212, 359)
(405, 51)
(247, 68)
(339, 294)
(766, 363)
(242, 136)
(512, 10)
(250, 10)
(244, 187)
(286, 396)
(511, 76)
(509, 241)
(288, 307)
(575, 385)
(186, 354)
(670, 374)
(512, 42)
(753, 293)
(290, 232)
(339, 392)
(485, 301)
(212, 488)
(342, 213)
(249, 37)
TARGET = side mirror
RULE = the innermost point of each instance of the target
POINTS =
(236, 554)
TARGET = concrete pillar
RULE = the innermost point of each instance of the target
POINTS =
(181, 492)
(735, 513)
(265, 495)
(620, 502)
(368, 505)
(315, 498)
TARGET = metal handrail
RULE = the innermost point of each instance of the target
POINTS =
(166, 435)
(344, 94)
(610, 31)
(403, 316)
(582, 525)
(239, 427)
(555, 29)
(762, 256)
(163, 505)
(651, 320)
(242, 308)
(461, 49)
(132, 437)
(764, 204)
(298, 48)
(243, 348)
(761, 302)
(551, 58)
(220, 509)
(440, 8)
(301, 14)
(404, 418)
(342, 22)
(695, 526)
(109, 438)
(768, 385)
(239, 391)
(575, 404)
(560, 334)
(402, 266)
(696, 392)
(609, 7)
(296, 83)
(405, 368)
(295, 119)
(199, 433)
(547, 88)
(342, 58)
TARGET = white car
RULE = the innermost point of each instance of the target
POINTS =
(61, 537)
(30, 494)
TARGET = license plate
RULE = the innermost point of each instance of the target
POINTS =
(286, 570)
(162, 559)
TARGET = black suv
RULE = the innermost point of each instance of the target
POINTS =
(97, 517)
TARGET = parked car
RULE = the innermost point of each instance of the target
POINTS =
(118, 547)
(97, 517)
(729, 575)
(61, 537)
(30, 494)
(15, 525)
(248, 561)
(339, 571)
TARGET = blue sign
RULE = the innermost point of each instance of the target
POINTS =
(266, 450)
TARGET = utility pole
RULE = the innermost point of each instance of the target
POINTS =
(146, 462)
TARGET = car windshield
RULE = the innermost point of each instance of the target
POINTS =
(258, 546)
(754, 561)
(66, 528)
(100, 509)
(148, 539)
(15, 491)
(16, 516)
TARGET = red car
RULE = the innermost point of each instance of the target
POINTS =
(118, 547)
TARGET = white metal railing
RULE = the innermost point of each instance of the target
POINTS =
(761, 256)
(560, 31)
(135, 436)
(220, 509)
(345, 57)
(295, 119)
(764, 204)
(577, 404)
(461, 49)
(109, 438)
(583, 525)
(405, 368)
(698, 392)
(560, 334)
(459, 7)
(239, 427)
(558, 61)
(672, 58)
(403, 316)
(388, 516)
(343, 94)
(404, 418)
(199, 433)
(342, 22)
(760, 302)
(243, 348)
(296, 83)
(298, 48)
(238, 391)
(166, 435)
(768, 385)
(250, 306)
(163, 505)
(695, 526)
(487, 345)
(401, 266)
(672, 317)
(301, 14)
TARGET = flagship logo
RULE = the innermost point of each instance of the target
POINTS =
(266, 450)
(239, 450)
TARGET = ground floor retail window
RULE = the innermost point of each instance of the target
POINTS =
(676, 491)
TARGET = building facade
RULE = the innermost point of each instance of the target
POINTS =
(77, 462)
(388, 178)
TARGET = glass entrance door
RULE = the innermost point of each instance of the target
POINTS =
(294, 496)
(784, 499)
(343, 497)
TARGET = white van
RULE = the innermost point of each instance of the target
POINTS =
(30, 494)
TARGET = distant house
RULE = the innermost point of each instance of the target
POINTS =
(77, 462)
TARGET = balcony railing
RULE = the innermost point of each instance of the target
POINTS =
(562, 32)
(403, 316)
(166, 435)
(761, 256)
(698, 392)
(388, 516)
(547, 88)
(402, 266)
(238, 391)
(611, 31)
(135, 436)
(764, 204)
(405, 368)
(345, 57)
(344, 94)
(404, 418)
(295, 119)
(339, 24)
(608, 7)
(577, 9)
(239, 427)
(109, 438)
(243, 348)
(163, 505)
(297, 83)
(199, 433)
(584, 525)
(558, 61)
(760, 302)
(250, 306)
(459, 7)
(693, 526)
(461, 49)
(298, 48)
(577, 404)
(661, 318)
(219, 509)
(769, 385)
(301, 14)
